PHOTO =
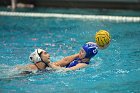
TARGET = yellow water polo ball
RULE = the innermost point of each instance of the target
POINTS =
(102, 38)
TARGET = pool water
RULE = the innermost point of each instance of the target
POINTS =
(113, 70)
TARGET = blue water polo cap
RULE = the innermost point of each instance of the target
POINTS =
(91, 49)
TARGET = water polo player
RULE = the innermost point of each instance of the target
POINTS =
(87, 51)
(41, 60)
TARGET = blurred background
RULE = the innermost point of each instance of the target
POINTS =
(107, 4)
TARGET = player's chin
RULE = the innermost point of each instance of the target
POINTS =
(48, 61)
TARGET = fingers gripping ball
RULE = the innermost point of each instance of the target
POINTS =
(102, 38)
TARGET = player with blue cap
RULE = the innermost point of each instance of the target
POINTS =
(91, 49)
(88, 51)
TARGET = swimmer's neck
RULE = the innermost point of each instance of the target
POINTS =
(40, 65)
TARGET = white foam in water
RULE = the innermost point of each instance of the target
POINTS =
(77, 16)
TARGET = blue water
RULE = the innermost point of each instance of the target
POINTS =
(114, 70)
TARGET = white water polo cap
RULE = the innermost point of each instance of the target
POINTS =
(35, 56)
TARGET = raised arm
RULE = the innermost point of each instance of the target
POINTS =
(66, 60)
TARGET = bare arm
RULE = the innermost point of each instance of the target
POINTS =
(66, 60)
(27, 67)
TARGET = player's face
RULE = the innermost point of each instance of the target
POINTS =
(45, 56)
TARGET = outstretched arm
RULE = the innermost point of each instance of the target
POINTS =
(66, 60)
(26, 68)
(78, 66)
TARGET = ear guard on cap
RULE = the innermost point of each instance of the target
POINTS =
(35, 57)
